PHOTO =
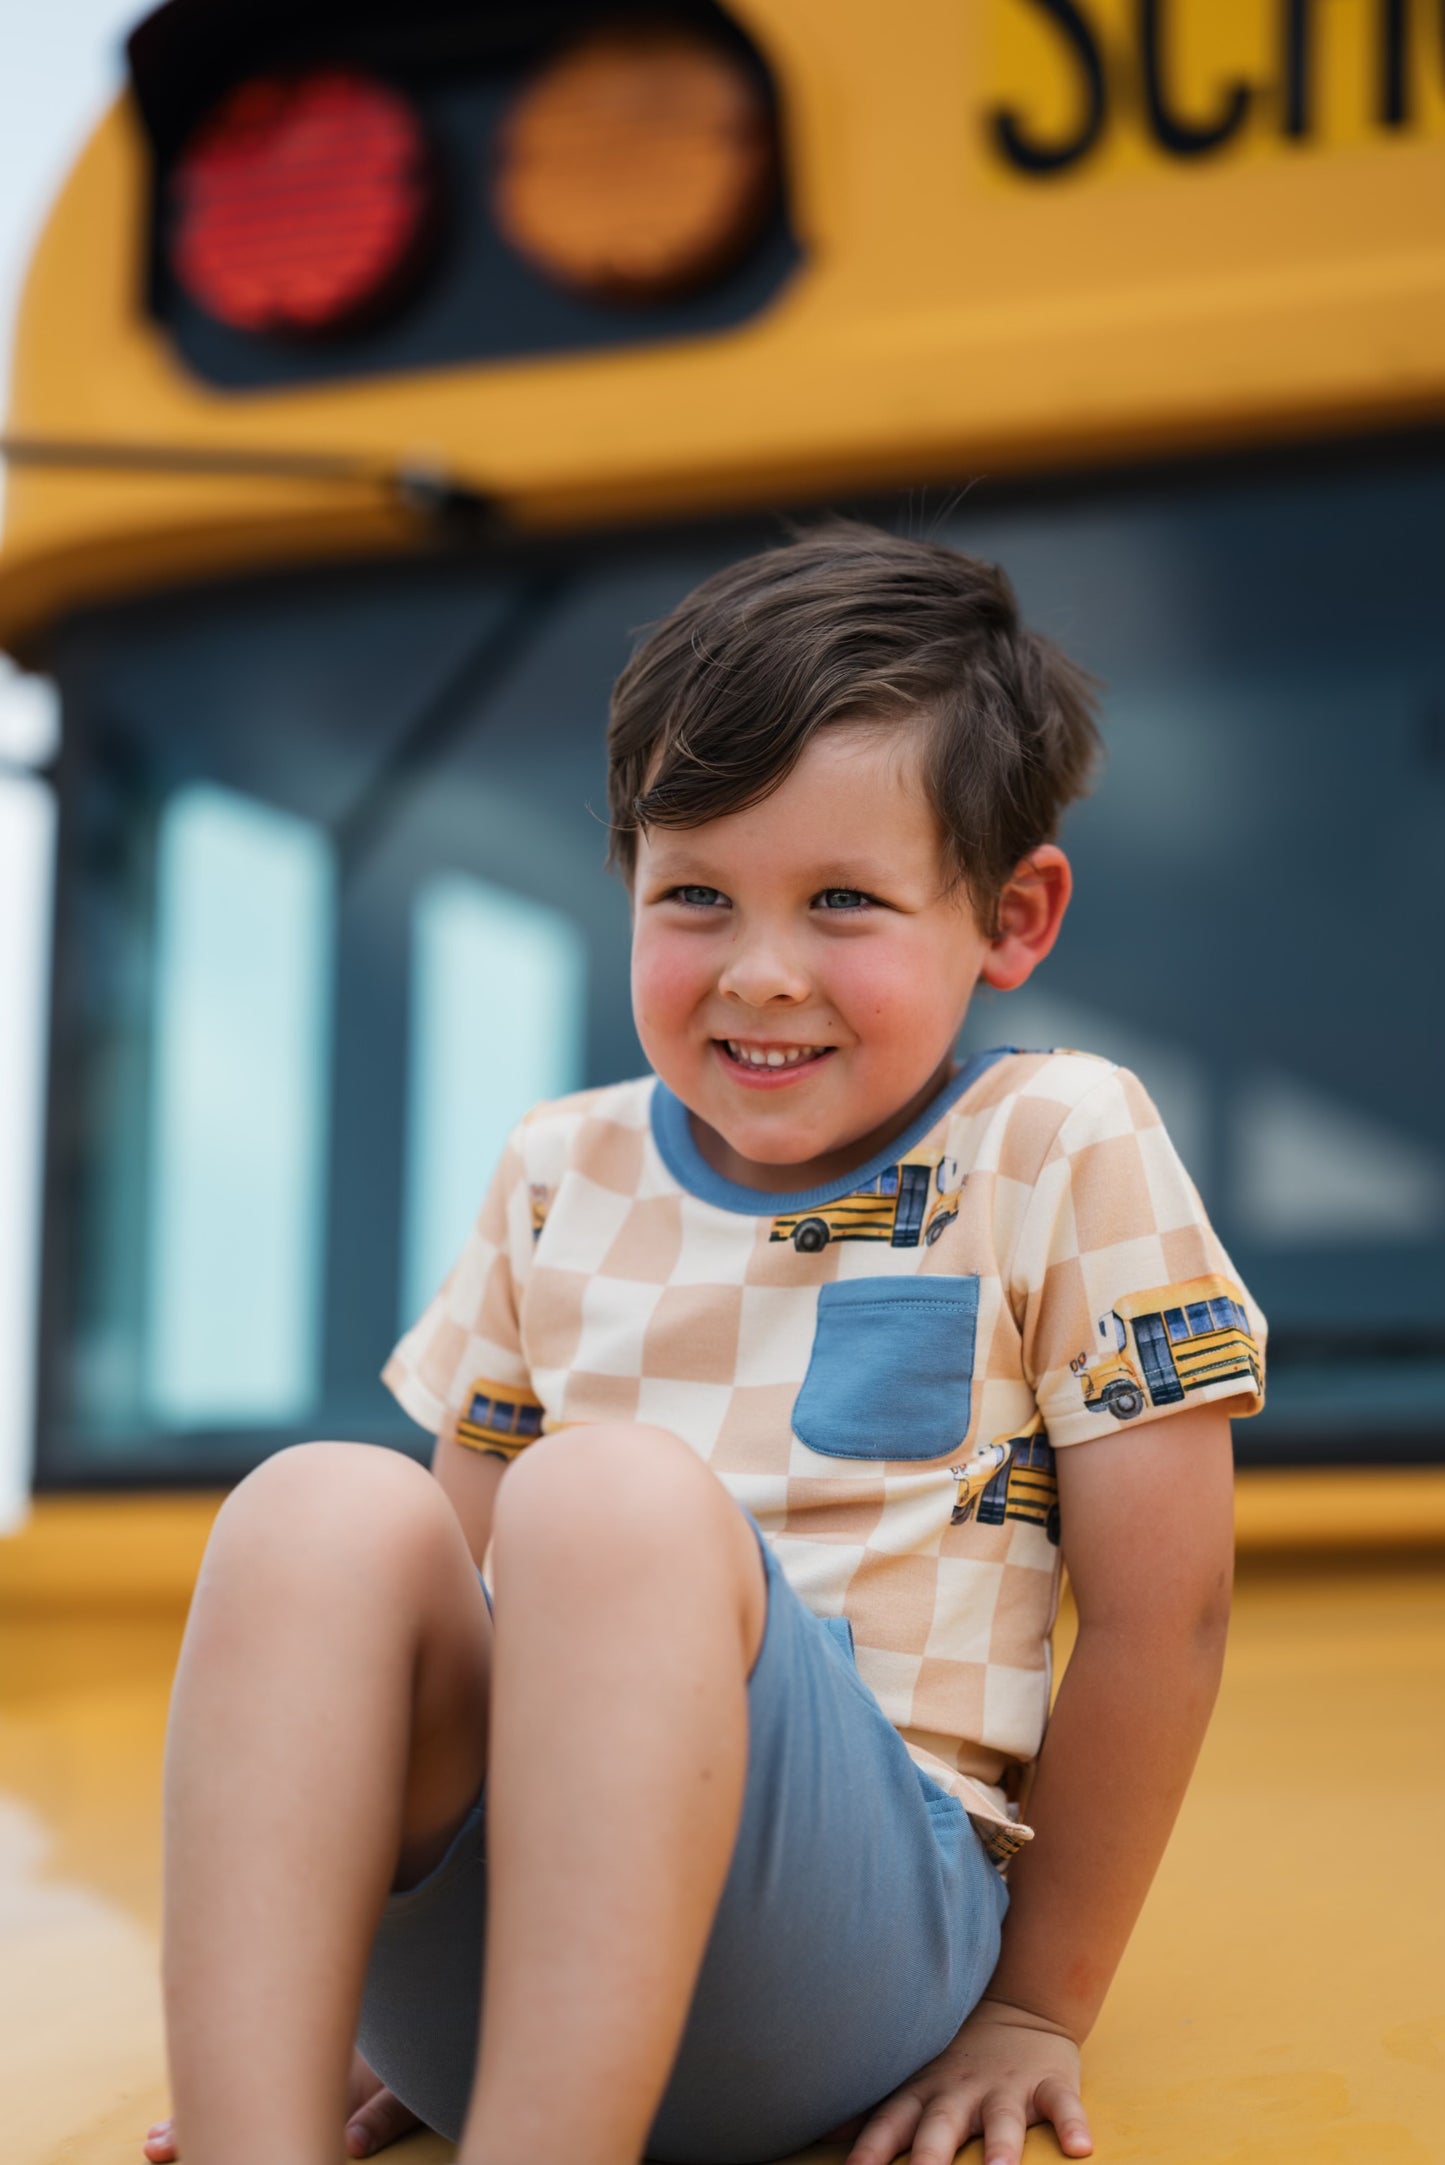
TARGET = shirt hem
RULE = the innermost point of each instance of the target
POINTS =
(1065, 1434)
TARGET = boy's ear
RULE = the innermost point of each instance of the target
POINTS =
(1030, 912)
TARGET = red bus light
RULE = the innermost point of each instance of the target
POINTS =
(303, 204)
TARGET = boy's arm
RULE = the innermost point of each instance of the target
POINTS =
(1149, 1542)
(1148, 1537)
(470, 1479)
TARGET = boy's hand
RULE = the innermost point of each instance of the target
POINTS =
(374, 2118)
(1005, 2069)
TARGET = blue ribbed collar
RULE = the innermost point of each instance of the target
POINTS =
(672, 1132)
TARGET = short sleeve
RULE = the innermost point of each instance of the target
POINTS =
(1128, 1306)
(459, 1370)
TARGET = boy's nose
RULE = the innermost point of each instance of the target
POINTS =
(760, 972)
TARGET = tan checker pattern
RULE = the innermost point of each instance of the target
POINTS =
(598, 1287)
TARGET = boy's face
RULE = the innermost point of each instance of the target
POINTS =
(819, 925)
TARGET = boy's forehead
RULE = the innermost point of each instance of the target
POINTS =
(854, 803)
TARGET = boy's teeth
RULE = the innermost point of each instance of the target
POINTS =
(758, 1056)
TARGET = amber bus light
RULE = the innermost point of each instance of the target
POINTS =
(638, 165)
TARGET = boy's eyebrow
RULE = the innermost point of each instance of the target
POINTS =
(854, 872)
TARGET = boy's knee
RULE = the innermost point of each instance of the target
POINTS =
(587, 1505)
(316, 1498)
(620, 1485)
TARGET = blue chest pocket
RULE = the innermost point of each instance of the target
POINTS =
(891, 1375)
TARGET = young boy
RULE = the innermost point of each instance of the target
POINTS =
(751, 1776)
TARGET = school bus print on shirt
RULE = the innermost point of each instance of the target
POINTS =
(911, 1201)
(539, 1202)
(1012, 1478)
(499, 1419)
(1155, 1347)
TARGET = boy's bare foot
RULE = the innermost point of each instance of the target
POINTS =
(375, 2118)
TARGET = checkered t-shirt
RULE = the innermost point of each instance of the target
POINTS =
(880, 1369)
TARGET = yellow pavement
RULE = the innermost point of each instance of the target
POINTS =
(1283, 1998)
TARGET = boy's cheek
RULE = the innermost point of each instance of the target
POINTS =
(914, 987)
(666, 987)
(883, 991)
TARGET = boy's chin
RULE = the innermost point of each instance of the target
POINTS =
(777, 1154)
(767, 1143)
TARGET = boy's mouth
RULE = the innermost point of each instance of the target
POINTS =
(749, 1061)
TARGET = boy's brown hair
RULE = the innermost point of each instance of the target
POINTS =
(852, 624)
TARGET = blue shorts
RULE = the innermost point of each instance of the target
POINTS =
(858, 1925)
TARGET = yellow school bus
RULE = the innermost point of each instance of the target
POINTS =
(816, 261)
(499, 1421)
(1012, 1478)
(359, 413)
(1156, 1347)
(373, 383)
(911, 1201)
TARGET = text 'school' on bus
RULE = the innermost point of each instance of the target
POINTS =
(382, 368)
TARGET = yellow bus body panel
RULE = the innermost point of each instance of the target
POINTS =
(951, 314)
(852, 1217)
(1201, 1361)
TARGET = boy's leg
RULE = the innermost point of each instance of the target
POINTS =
(631, 1603)
(328, 1732)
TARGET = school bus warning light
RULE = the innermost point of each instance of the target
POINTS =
(638, 165)
(303, 204)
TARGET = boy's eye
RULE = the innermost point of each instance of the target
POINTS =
(697, 898)
(842, 898)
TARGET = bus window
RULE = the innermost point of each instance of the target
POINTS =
(1199, 1318)
(243, 968)
(435, 735)
(498, 986)
(1177, 1326)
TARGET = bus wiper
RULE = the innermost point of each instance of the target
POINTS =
(447, 715)
(427, 491)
